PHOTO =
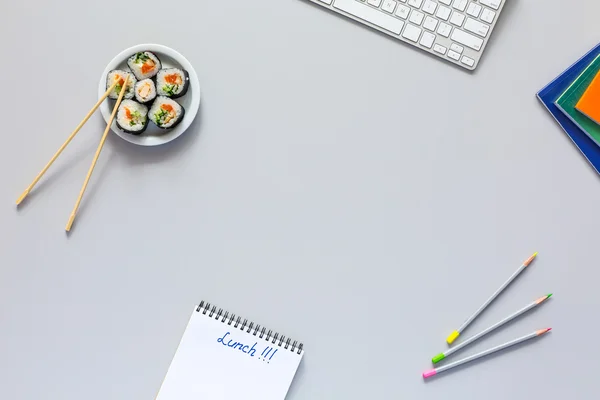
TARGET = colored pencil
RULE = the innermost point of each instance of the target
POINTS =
(464, 326)
(435, 371)
(497, 325)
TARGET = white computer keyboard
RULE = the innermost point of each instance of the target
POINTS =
(455, 30)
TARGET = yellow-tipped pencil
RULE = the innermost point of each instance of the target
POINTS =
(464, 326)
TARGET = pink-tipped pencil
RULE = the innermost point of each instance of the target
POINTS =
(435, 371)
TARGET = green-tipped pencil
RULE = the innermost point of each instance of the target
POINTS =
(497, 325)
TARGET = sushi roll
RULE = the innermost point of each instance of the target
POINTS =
(145, 91)
(166, 113)
(172, 82)
(120, 75)
(144, 64)
(132, 117)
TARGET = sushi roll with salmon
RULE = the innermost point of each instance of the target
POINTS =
(172, 82)
(145, 91)
(166, 113)
(132, 117)
(144, 64)
(120, 75)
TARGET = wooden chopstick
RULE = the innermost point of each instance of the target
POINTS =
(89, 174)
(60, 150)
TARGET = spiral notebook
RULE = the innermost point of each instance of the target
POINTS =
(225, 357)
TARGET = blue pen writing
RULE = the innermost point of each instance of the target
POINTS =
(222, 340)
(272, 354)
(237, 345)
(252, 351)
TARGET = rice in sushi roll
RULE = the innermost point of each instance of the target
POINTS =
(132, 117)
(120, 75)
(166, 113)
(172, 82)
(144, 64)
(145, 91)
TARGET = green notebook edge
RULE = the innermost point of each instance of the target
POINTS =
(597, 122)
(569, 99)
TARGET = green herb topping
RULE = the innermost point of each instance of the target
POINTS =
(160, 116)
(141, 58)
(170, 90)
(136, 118)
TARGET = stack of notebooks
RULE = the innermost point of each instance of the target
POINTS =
(573, 98)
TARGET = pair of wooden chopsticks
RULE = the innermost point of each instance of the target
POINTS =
(96, 156)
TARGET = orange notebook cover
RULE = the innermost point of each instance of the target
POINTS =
(589, 104)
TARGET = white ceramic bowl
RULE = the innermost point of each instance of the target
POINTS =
(154, 136)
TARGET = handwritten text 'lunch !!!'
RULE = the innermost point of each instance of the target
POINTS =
(266, 354)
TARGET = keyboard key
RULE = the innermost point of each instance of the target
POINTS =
(411, 32)
(457, 19)
(429, 7)
(460, 4)
(495, 4)
(488, 15)
(402, 11)
(467, 61)
(443, 13)
(466, 39)
(453, 55)
(455, 30)
(476, 27)
(430, 24)
(416, 17)
(438, 48)
(474, 10)
(371, 15)
(444, 29)
(427, 39)
(457, 48)
(389, 6)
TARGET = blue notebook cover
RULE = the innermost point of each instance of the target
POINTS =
(554, 89)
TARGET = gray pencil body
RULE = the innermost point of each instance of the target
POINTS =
(492, 298)
(455, 364)
(492, 328)
(457, 332)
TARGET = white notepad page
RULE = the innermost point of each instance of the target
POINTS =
(217, 361)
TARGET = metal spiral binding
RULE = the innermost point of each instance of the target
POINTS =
(262, 332)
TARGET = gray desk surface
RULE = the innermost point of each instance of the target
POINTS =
(340, 187)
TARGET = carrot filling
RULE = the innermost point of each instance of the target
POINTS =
(173, 79)
(148, 66)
